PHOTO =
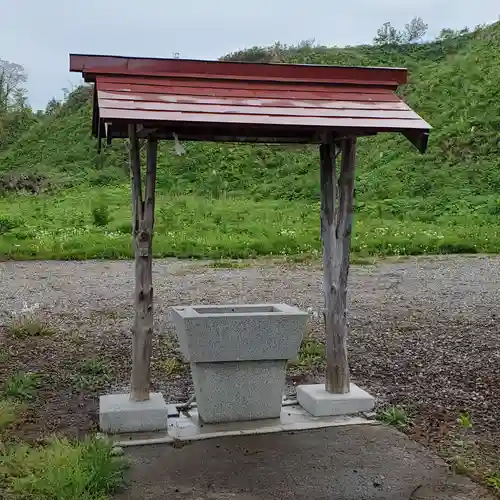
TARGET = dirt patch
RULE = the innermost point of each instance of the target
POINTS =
(424, 334)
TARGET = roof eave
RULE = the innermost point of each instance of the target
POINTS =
(92, 65)
(419, 138)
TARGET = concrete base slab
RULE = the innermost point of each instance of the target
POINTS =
(320, 403)
(118, 414)
(187, 426)
(292, 418)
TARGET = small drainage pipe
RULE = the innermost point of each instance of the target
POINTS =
(144, 442)
(185, 406)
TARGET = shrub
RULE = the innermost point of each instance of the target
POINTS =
(7, 223)
(101, 216)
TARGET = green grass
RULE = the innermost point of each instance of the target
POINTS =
(57, 470)
(236, 228)
(226, 201)
(62, 470)
(229, 264)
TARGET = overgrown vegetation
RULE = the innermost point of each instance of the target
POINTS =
(57, 469)
(237, 201)
(84, 470)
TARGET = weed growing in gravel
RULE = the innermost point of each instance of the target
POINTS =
(109, 314)
(9, 412)
(76, 338)
(95, 366)
(25, 323)
(29, 327)
(311, 354)
(171, 366)
(91, 374)
(493, 480)
(4, 356)
(396, 416)
(83, 470)
(459, 463)
(22, 386)
(168, 344)
(169, 361)
(459, 466)
(465, 421)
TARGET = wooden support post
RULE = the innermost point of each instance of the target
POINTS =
(336, 224)
(143, 223)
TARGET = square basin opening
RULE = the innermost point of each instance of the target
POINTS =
(235, 309)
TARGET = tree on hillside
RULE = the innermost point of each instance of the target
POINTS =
(52, 106)
(12, 80)
(387, 34)
(15, 114)
(414, 31)
(447, 33)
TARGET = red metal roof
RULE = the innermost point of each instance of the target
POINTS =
(213, 100)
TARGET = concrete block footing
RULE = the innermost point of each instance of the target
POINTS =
(117, 413)
(319, 403)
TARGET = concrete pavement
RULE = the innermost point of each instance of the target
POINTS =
(362, 462)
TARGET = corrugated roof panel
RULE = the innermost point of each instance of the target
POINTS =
(263, 102)
(136, 115)
(248, 109)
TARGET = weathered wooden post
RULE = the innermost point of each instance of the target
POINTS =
(140, 410)
(143, 223)
(337, 197)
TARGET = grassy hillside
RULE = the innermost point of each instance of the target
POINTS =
(238, 201)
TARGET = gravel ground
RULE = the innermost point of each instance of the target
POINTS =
(424, 334)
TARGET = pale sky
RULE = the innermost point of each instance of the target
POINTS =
(39, 34)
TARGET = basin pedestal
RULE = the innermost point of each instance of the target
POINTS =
(238, 357)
